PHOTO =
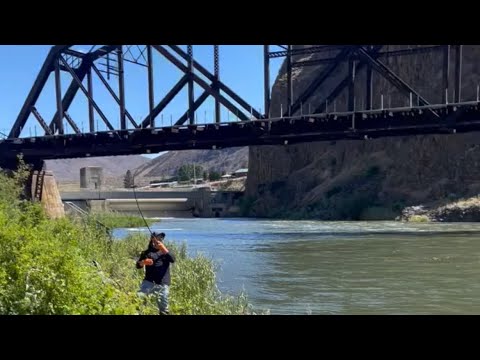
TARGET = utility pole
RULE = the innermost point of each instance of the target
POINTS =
(194, 176)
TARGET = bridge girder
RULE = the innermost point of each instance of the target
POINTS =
(358, 57)
(79, 65)
(355, 124)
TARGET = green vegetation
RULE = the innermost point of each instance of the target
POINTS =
(189, 171)
(69, 266)
(128, 180)
(114, 220)
(214, 175)
(419, 219)
(193, 290)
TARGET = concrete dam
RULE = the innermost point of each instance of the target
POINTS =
(187, 203)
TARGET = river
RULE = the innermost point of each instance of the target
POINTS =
(313, 267)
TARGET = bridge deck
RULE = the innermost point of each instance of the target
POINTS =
(439, 119)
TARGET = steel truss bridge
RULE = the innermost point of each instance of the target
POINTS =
(63, 137)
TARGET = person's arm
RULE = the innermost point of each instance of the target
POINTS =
(168, 254)
(140, 263)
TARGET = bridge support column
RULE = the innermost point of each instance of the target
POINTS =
(44, 189)
(204, 205)
(97, 206)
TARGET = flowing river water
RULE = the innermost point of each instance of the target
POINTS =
(314, 267)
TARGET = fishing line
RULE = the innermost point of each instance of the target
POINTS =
(138, 205)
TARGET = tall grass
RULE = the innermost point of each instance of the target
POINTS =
(70, 266)
(194, 288)
(114, 220)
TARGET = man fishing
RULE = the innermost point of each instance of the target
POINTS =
(156, 260)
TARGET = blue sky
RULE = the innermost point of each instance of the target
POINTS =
(241, 69)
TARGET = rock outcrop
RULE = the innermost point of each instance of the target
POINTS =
(467, 210)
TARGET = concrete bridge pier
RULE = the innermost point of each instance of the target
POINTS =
(201, 203)
(44, 189)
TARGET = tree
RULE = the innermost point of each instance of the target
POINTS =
(186, 172)
(183, 173)
(128, 181)
(214, 175)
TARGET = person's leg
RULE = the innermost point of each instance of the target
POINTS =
(146, 288)
(162, 299)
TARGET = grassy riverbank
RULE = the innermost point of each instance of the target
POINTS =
(71, 266)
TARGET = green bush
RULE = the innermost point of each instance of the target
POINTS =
(419, 219)
(45, 272)
(193, 289)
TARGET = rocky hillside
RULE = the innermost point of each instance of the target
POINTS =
(165, 166)
(372, 179)
(68, 170)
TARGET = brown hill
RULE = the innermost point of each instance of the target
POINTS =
(68, 170)
(227, 160)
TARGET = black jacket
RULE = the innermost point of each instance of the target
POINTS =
(159, 272)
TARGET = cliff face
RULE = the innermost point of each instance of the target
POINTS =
(373, 179)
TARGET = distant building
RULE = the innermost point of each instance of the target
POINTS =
(91, 177)
(166, 184)
(240, 173)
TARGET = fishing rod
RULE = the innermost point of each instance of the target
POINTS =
(138, 205)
